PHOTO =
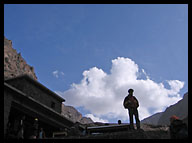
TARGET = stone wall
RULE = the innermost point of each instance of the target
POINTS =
(7, 107)
(37, 93)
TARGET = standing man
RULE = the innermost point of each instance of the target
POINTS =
(20, 134)
(41, 134)
(34, 129)
(131, 103)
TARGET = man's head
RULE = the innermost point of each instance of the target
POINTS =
(130, 91)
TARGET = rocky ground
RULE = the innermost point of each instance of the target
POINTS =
(146, 132)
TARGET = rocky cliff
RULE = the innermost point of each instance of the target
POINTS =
(71, 113)
(14, 64)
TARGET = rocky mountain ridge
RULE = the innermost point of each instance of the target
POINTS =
(14, 64)
(72, 114)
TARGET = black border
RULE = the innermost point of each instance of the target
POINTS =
(99, 2)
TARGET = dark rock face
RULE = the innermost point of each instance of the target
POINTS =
(14, 64)
(72, 114)
(85, 120)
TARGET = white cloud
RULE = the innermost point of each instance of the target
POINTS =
(102, 94)
(96, 119)
(62, 73)
(175, 85)
(143, 71)
(57, 73)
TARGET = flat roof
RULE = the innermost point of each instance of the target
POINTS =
(108, 128)
(23, 95)
(30, 79)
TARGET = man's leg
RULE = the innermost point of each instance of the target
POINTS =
(131, 118)
(137, 118)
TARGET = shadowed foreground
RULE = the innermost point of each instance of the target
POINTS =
(146, 132)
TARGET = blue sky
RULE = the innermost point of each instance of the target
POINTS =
(63, 41)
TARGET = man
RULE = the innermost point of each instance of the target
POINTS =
(35, 129)
(178, 129)
(131, 103)
(20, 134)
(41, 134)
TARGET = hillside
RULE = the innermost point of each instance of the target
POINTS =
(71, 113)
(179, 109)
(152, 119)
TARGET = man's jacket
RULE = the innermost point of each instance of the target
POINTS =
(130, 102)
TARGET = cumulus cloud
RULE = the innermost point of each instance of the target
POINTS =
(143, 71)
(57, 73)
(102, 94)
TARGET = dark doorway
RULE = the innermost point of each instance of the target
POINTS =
(15, 116)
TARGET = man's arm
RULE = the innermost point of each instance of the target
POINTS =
(124, 102)
(137, 102)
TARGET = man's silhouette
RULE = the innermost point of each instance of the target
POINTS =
(131, 103)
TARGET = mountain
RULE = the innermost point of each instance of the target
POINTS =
(152, 119)
(14, 64)
(72, 114)
(179, 109)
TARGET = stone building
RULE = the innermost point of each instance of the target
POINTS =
(26, 97)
